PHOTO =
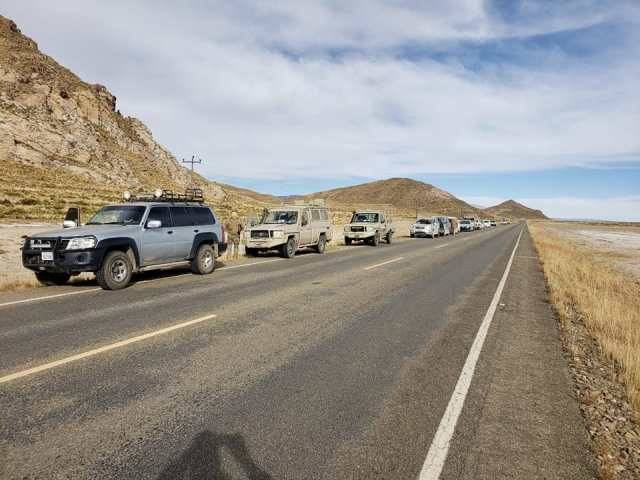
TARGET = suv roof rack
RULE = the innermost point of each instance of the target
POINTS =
(194, 195)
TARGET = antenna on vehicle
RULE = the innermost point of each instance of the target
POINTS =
(193, 163)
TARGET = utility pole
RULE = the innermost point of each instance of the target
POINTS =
(193, 163)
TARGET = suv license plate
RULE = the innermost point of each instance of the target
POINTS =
(47, 256)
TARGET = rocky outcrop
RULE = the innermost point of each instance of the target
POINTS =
(52, 122)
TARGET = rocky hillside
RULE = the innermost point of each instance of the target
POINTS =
(63, 142)
(407, 196)
(513, 209)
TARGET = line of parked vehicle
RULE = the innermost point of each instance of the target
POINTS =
(166, 230)
(440, 226)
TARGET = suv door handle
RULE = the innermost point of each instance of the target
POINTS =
(196, 230)
(170, 232)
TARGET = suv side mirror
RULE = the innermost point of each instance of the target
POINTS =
(154, 224)
(71, 218)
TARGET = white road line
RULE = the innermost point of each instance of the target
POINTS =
(47, 297)
(439, 449)
(250, 264)
(440, 246)
(384, 263)
(106, 348)
(139, 282)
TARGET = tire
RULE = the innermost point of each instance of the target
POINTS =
(288, 250)
(115, 272)
(411, 235)
(375, 240)
(251, 252)
(348, 241)
(50, 278)
(389, 237)
(322, 244)
(205, 261)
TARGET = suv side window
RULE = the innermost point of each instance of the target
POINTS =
(160, 213)
(324, 215)
(315, 215)
(305, 217)
(181, 217)
(381, 218)
(202, 216)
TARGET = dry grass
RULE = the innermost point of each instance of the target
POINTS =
(582, 280)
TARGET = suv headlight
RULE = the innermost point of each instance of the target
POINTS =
(369, 229)
(277, 234)
(81, 243)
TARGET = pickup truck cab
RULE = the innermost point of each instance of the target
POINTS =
(369, 227)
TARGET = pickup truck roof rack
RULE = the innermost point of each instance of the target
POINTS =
(194, 195)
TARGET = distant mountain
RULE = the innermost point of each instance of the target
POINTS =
(63, 142)
(513, 209)
(406, 195)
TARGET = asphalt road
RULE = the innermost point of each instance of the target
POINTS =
(324, 366)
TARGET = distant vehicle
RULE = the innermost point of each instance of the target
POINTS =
(479, 224)
(467, 225)
(486, 223)
(493, 223)
(287, 228)
(445, 226)
(369, 227)
(148, 232)
(425, 227)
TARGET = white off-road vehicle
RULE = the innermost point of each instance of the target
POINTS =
(287, 228)
(369, 227)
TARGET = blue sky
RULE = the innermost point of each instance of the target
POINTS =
(533, 100)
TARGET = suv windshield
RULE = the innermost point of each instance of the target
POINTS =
(364, 218)
(118, 215)
(424, 221)
(290, 217)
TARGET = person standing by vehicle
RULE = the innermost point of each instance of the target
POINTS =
(234, 230)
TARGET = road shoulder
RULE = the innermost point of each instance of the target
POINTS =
(521, 419)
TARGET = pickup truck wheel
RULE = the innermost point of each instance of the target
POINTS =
(375, 240)
(251, 252)
(288, 250)
(204, 261)
(322, 244)
(348, 241)
(115, 272)
(49, 278)
(389, 237)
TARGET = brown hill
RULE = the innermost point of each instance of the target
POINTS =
(407, 196)
(513, 209)
(63, 142)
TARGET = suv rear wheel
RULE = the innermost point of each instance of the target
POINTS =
(289, 249)
(116, 271)
(50, 278)
(389, 237)
(322, 244)
(251, 252)
(204, 261)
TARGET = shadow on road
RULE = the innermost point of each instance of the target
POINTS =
(203, 460)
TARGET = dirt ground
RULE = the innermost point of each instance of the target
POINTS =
(620, 243)
(13, 275)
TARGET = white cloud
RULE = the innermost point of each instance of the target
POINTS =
(254, 89)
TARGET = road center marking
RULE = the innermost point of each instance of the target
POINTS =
(371, 267)
(439, 448)
(106, 348)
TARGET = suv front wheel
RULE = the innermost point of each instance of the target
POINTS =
(115, 272)
(289, 248)
(204, 261)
